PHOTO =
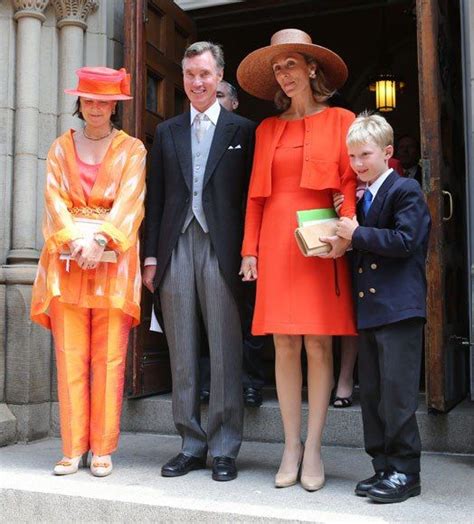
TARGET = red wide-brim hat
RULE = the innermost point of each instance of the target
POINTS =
(102, 83)
(255, 72)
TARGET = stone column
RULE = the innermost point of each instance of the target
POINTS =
(26, 348)
(29, 16)
(72, 16)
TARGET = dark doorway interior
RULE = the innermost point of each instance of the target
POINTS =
(367, 34)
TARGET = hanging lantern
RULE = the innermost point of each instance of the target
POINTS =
(385, 93)
(386, 86)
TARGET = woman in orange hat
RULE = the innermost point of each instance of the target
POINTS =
(88, 284)
(300, 162)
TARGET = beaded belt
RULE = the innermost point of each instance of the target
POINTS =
(87, 211)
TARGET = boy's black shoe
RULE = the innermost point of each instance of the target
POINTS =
(364, 485)
(395, 487)
(182, 464)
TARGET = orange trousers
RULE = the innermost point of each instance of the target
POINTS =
(91, 349)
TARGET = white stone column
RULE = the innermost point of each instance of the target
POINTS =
(29, 16)
(72, 16)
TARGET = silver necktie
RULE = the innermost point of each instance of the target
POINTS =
(199, 126)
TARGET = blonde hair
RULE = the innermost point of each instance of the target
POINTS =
(319, 86)
(370, 127)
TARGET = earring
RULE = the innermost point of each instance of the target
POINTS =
(312, 74)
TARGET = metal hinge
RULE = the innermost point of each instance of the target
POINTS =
(461, 341)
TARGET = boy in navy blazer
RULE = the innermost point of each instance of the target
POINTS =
(390, 240)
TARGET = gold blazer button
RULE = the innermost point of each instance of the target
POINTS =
(373, 266)
(361, 294)
(361, 270)
(372, 290)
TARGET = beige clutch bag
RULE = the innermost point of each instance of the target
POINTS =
(88, 227)
(307, 237)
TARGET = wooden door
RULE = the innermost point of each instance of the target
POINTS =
(156, 34)
(444, 178)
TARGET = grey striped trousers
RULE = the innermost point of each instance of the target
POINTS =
(193, 288)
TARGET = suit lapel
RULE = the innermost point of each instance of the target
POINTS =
(181, 133)
(377, 204)
(223, 134)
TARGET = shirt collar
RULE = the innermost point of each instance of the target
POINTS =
(211, 112)
(374, 188)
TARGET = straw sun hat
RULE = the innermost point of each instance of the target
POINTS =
(255, 73)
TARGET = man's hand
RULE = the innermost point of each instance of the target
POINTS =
(345, 227)
(248, 268)
(149, 273)
(337, 200)
(338, 246)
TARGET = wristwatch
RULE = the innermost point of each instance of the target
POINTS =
(100, 240)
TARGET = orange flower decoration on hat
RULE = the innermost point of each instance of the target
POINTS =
(102, 83)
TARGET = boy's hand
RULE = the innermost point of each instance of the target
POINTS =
(337, 200)
(345, 227)
(338, 246)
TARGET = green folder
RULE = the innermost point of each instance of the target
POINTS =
(314, 215)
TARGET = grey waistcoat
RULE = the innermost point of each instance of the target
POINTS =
(199, 152)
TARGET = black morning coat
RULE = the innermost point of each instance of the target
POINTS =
(390, 253)
(169, 186)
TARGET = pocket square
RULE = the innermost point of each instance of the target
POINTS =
(235, 147)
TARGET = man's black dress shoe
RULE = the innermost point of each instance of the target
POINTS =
(204, 396)
(364, 485)
(253, 397)
(395, 487)
(224, 468)
(182, 464)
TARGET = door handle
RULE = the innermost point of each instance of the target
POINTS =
(450, 200)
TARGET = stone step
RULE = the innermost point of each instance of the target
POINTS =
(451, 433)
(136, 492)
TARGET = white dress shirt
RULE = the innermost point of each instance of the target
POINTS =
(375, 186)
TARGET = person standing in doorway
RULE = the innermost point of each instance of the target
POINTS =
(200, 166)
(253, 378)
(300, 161)
(408, 152)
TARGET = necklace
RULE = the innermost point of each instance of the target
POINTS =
(96, 139)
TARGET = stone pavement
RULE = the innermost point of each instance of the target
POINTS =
(136, 491)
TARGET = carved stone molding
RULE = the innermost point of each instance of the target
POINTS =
(74, 12)
(31, 8)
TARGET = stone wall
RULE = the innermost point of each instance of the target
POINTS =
(42, 43)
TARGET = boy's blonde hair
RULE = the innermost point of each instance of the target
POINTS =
(370, 127)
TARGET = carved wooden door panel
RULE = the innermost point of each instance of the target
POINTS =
(156, 34)
(444, 179)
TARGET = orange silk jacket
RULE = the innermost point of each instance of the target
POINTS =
(119, 188)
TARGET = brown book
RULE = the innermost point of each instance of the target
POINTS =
(308, 237)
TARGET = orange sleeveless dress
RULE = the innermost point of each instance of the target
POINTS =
(295, 295)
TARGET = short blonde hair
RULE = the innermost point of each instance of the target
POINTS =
(370, 127)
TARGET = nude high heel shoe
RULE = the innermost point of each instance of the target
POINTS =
(68, 466)
(101, 466)
(285, 479)
(313, 482)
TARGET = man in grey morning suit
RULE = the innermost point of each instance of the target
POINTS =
(199, 172)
